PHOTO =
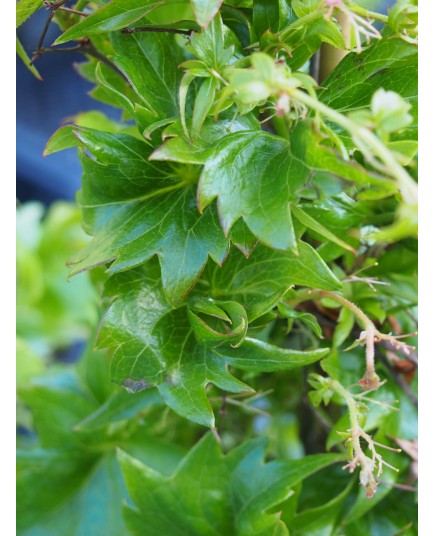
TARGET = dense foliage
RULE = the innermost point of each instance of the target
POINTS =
(254, 243)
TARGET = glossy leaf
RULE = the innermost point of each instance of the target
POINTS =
(232, 494)
(272, 15)
(115, 15)
(156, 345)
(153, 74)
(130, 205)
(258, 189)
(177, 147)
(259, 282)
(255, 176)
(313, 224)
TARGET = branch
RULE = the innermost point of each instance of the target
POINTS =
(156, 29)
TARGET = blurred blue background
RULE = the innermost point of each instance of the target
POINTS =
(42, 106)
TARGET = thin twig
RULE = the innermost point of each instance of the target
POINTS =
(37, 53)
(75, 48)
(156, 29)
(74, 11)
(88, 48)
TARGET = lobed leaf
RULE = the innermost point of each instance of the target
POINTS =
(232, 494)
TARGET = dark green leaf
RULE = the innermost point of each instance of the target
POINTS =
(272, 15)
(137, 209)
(260, 281)
(177, 148)
(255, 175)
(153, 73)
(156, 345)
(69, 482)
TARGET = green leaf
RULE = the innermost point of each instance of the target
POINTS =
(177, 147)
(321, 520)
(118, 96)
(137, 209)
(153, 73)
(258, 356)
(272, 15)
(62, 139)
(259, 282)
(26, 8)
(253, 186)
(305, 35)
(115, 15)
(22, 54)
(389, 63)
(215, 46)
(306, 318)
(313, 224)
(120, 406)
(140, 318)
(137, 322)
(209, 332)
(232, 494)
(69, 481)
(202, 105)
(344, 326)
(259, 188)
(51, 313)
(308, 146)
(205, 10)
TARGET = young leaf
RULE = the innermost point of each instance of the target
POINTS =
(202, 105)
(205, 10)
(233, 494)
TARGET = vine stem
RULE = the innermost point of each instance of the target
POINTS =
(368, 465)
(370, 380)
(406, 184)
